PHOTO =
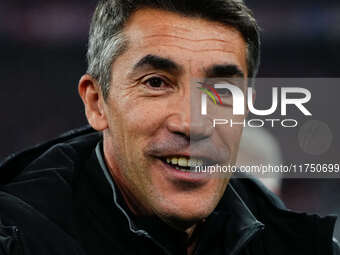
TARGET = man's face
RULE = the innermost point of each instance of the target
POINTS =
(149, 112)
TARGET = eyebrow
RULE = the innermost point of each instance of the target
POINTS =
(168, 65)
(224, 70)
(157, 62)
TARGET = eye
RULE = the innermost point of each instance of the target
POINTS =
(223, 92)
(155, 82)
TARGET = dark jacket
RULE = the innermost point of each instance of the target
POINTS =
(55, 198)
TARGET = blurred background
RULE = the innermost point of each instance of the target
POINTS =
(42, 56)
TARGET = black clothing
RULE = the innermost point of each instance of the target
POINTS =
(56, 198)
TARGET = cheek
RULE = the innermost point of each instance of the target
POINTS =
(136, 120)
(142, 119)
(230, 136)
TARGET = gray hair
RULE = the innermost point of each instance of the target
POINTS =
(107, 42)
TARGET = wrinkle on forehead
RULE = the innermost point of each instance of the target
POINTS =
(150, 28)
(168, 39)
(178, 37)
(149, 23)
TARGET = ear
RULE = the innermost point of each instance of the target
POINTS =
(90, 93)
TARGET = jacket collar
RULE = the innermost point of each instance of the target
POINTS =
(242, 225)
(238, 226)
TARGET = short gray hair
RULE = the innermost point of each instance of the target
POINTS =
(107, 42)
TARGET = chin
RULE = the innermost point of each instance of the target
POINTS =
(183, 205)
(185, 213)
(181, 221)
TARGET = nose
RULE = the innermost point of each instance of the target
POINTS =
(186, 119)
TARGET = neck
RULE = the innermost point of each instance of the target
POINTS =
(193, 235)
(129, 199)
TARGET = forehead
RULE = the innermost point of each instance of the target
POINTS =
(191, 38)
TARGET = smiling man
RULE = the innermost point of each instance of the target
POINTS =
(127, 185)
(146, 117)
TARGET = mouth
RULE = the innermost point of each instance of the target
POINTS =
(187, 172)
(186, 164)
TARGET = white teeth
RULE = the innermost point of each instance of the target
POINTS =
(192, 162)
(195, 162)
(184, 162)
(174, 161)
